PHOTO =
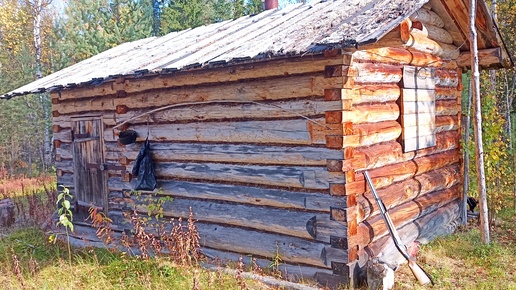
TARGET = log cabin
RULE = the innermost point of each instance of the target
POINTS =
(264, 125)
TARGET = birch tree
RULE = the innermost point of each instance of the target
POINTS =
(479, 152)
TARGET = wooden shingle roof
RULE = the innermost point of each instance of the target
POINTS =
(296, 30)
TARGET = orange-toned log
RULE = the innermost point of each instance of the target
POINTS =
(416, 42)
(373, 93)
(427, 16)
(399, 55)
(446, 123)
(401, 192)
(425, 228)
(387, 175)
(373, 228)
(382, 154)
(446, 78)
(447, 107)
(371, 133)
(389, 55)
(442, 93)
(371, 113)
(377, 73)
(432, 32)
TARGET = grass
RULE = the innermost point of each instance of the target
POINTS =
(29, 261)
(44, 266)
(461, 261)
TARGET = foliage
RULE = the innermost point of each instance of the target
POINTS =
(497, 153)
(65, 217)
(41, 267)
(182, 14)
(462, 261)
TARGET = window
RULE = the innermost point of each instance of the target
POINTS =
(417, 107)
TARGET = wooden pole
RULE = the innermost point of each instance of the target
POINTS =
(479, 150)
(467, 124)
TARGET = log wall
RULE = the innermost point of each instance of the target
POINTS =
(270, 156)
(421, 187)
(249, 148)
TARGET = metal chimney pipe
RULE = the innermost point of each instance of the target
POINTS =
(271, 4)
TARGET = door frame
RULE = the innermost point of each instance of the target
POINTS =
(76, 164)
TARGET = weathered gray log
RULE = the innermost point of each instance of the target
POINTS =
(6, 212)
(288, 199)
(294, 132)
(227, 153)
(244, 241)
(284, 176)
(440, 222)
(307, 225)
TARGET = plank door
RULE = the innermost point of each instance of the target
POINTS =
(90, 176)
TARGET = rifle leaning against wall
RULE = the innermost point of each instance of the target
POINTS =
(418, 272)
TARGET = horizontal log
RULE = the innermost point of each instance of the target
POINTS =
(234, 73)
(227, 153)
(66, 180)
(386, 175)
(376, 93)
(428, 17)
(374, 228)
(431, 31)
(486, 57)
(244, 241)
(406, 190)
(65, 151)
(255, 90)
(371, 133)
(427, 45)
(440, 222)
(447, 93)
(371, 113)
(306, 225)
(381, 154)
(446, 123)
(446, 78)
(399, 55)
(288, 199)
(289, 272)
(233, 111)
(65, 121)
(283, 176)
(293, 132)
(377, 73)
(419, 43)
(447, 107)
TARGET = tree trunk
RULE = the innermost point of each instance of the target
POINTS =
(37, 9)
(479, 150)
(467, 125)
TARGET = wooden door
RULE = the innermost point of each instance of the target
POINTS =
(90, 178)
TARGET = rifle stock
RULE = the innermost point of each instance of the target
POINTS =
(418, 272)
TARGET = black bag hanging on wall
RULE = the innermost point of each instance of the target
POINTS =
(144, 169)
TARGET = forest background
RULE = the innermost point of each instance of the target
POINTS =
(39, 37)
